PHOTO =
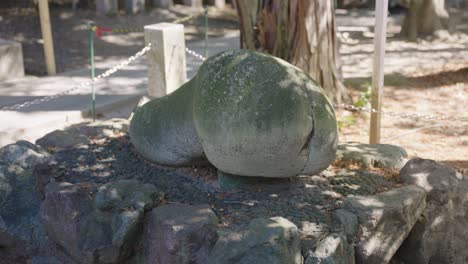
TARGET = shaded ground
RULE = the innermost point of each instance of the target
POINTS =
(71, 37)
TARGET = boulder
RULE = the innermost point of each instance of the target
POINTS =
(162, 130)
(349, 223)
(385, 220)
(44, 260)
(107, 128)
(179, 233)
(258, 115)
(265, 241)
(101, 229)
(372, 155)
(333, 249)
(19, 201)
(440, 234)
(62, 139)
(248, 113)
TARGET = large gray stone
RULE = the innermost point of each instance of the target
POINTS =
(19, 200)
(100, 230)
(372, 155)
(250, 113)
(180, 233)
(333, 249)
(349, 223)
(265, 241)
(63, 139)
(11, 60)
(385, 220)
(440, 235)
(257, 115)
(163, 131)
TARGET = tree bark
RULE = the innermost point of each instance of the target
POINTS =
(424, 17)
(302, 32)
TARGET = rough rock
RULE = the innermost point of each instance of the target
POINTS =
(349, 223)
(19, 201)
(440, 234)
(250, 113)
(372, 155)
(265, 241)
(62, 139)
(99, 230)
(106, 128)
(127, 194)
(333, 249)
(385, 220)
(44, 260)
(180, 233)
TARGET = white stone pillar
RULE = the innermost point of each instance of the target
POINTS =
(11, 60)
(166, 59)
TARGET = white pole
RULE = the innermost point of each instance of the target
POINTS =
(47, 36)
(166, 59)
(380, 31)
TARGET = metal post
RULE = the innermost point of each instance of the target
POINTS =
(206, 32)
(91, 49)
(47, 37)
(380, 31)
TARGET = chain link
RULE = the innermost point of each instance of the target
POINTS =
(131, 59)
(81, 85)
(195, 54)
(353, 108)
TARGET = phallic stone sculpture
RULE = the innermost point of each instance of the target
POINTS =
(247, 113)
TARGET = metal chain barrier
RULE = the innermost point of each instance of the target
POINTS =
(353, 108)
(101, 30)
(81, 85)
(195, 54)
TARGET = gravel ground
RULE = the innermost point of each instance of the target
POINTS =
(304, 199)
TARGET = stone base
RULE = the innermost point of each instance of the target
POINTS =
(11, 60)
(233, 182)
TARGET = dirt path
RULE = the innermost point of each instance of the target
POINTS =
(428, 76)
(71, 37)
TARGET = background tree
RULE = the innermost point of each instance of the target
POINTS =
(302, 32)
(424, 17)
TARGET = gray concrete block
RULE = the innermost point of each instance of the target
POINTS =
(11, 60)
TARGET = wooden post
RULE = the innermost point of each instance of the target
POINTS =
(47, 36)
(380, 31)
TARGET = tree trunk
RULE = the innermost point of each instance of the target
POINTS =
(424, 17)
(302, 32)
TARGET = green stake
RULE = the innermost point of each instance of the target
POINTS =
(91, 49)
(206, 32)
